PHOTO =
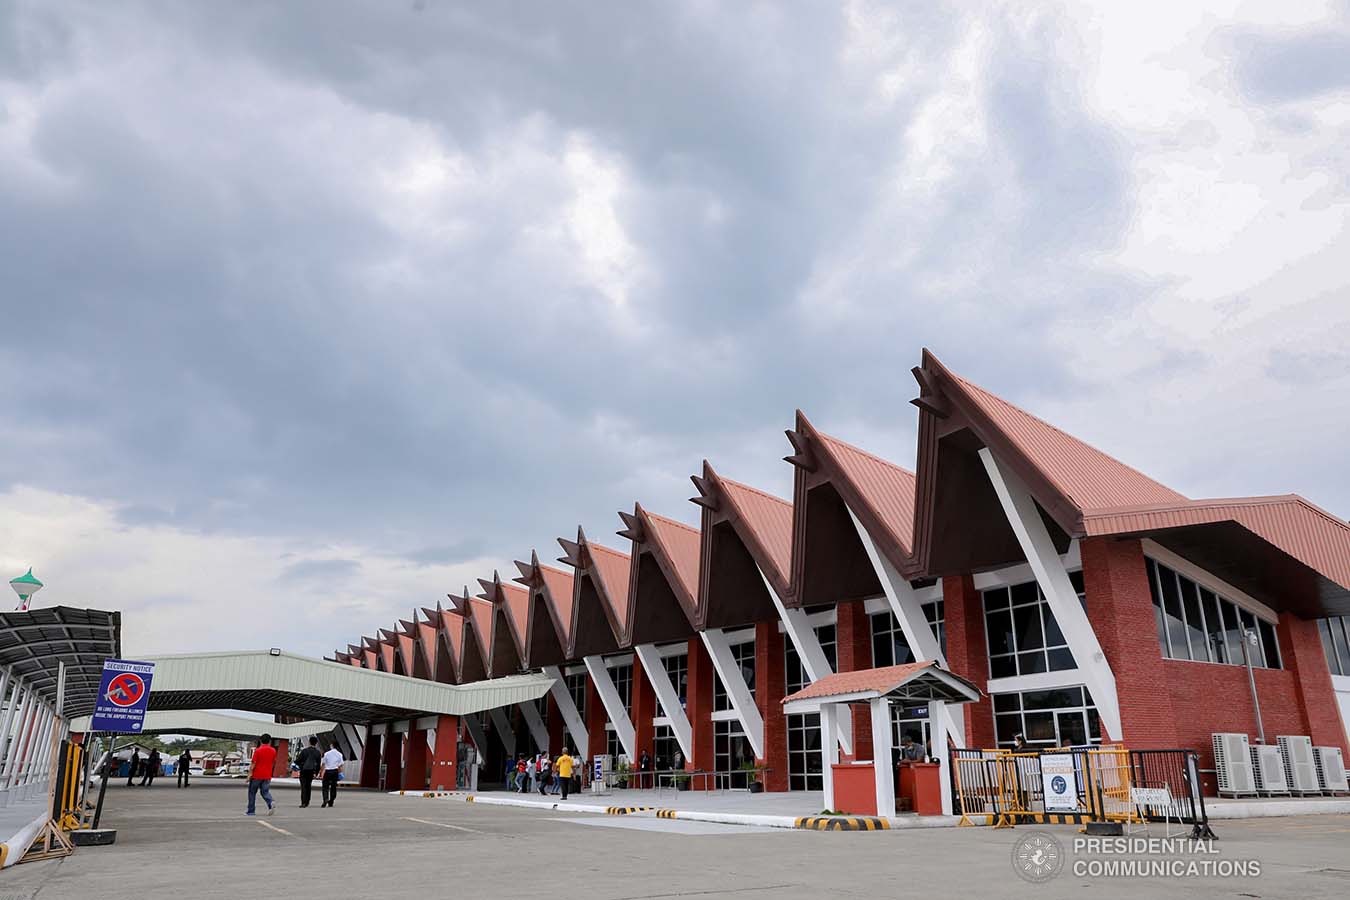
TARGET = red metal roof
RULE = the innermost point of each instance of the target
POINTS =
(480, 615)
(1309, 534)
(426, 637)
(453, 624)
(886, 487)
(882, 680)
(610, 569)
(681, 545)
(769, 519)
(387, 655)
(1082, 473)
(516, 603)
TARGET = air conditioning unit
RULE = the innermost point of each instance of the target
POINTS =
(1233, 761)
(1268, 765)
(1299, 765)
(1331, 770)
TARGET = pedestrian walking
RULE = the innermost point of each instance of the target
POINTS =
(521, 770)
(564, 769)
(332, 763)
(545, 773)
(644, 766)
(260, 775)
(134, 765)
(510, 776)
(184, 765)
(151, 769)
(309, 761)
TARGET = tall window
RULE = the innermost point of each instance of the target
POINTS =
(576, 686)
(731, 750)
(1022, 633)
(664, 747)
(803, 729)
(1197, 624)
(1061, 717)
(889, 647)
(623, 683)
(1336, 642)
(744, 656)
(612, 744)
(677, 670)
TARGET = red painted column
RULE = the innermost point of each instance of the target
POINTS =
(281, 767)
(968, 654)
(1120, 607)
(595, 721)
(555, 723)
(1303, 655)
(853, 630)
(445, 755)
(393, 760)
(370, 761)
(415, 760)
(698, 708)
(770, 689)
(642, 713)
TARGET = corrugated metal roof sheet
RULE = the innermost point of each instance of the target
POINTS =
(480, 615)
(1088, 477)
(387, 651)
(1311, 535)
(888, 488)
(611, 568)
(558, 591)
(770, 519)
(453, 625)
(516, 604)
(426, 639)
(681, 545)
(406, 646)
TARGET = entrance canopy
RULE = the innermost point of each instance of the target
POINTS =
(920, 682)
(34, 642)
(202, 723)
(291, 685)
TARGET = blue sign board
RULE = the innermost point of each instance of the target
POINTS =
(123, 695)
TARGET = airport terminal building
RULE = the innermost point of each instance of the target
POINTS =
(1088, 602)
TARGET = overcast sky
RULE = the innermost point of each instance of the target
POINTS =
(313, 312)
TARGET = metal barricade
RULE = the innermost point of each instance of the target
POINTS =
(1177, 772)
(1109, 779)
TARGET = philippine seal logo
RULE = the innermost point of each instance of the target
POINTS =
(1038, 857)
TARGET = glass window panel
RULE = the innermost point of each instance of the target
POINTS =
(1056, 698)
(996, 599)
(1002, 666)
(1025, 593)
(1232, 634)
(1159, 618)
(1027, 627)
(1076, 579)
(1270, 644)
(1061, 660)
(1053, 636)
(1218, 648)
(1338, 640)
(1094, 725)
(882, 653)
(1195, 623)
(1031, 663)
(1176, 625)
(1040, 727)
(1007, 727)
(1007, 702)
(1072, 728)
(999, 627)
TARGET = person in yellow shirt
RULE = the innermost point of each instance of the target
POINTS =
(563, 770)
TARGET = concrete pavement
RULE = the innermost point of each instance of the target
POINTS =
(197, 845)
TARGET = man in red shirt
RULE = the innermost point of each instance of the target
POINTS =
(260, 775)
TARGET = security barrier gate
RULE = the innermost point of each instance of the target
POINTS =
(1007, 787)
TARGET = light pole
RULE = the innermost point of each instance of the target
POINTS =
(25, 586)
(1249, 640)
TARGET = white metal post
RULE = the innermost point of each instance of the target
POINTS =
(799, 630)
(667, 696)
(7, 729)
(937, 734)
(881, 756)
(829, 751)
(22, 736)
(571, 715)
(1053, 579)
(742, 701)
(504, 732)
(614, 708)
(535, 722)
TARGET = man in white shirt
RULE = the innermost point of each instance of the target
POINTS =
(332, 768)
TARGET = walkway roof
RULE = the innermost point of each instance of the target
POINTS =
(924, 682)
(205, 723)
(292, 685)
(35, 641)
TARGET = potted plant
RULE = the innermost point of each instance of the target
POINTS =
(682, 782)
(622, 779)
(752, 777)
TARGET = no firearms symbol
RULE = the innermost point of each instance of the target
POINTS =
(126, 689)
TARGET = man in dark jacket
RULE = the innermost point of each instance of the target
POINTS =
(309, 761)
(184, 765)
(134, 765)
(151, 769)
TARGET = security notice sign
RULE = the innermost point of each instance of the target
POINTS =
(123, 695)
(1061, 792)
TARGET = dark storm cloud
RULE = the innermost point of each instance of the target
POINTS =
(1288, 67)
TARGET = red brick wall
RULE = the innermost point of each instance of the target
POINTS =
(642, 712)
(853, 632)
(415, 761)
(595, 721)
(1120, 608)
(370, 761)
(968, 654)
(698, 707)
(770, 688)
(1304, 656)
(445, 755)
(393, 761)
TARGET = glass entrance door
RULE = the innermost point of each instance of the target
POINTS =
(1072, 728)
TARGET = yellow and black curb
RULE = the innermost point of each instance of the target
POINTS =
(1042, 819)
(666, 814)
(842, 823)
(624, 810)
(435, 793)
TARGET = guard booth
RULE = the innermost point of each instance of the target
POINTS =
(868, 787)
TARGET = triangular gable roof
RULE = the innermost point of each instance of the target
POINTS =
(599, 595)
(429, 642)
(662, 579)
(550, 612)
(472, 655)
(414, 659)
(401, 662)
(388, 656)
(480, 614)
(505, 656)
(744, 532)
(831, 477)
(513, 605)
(924, 680)
(450, 626)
